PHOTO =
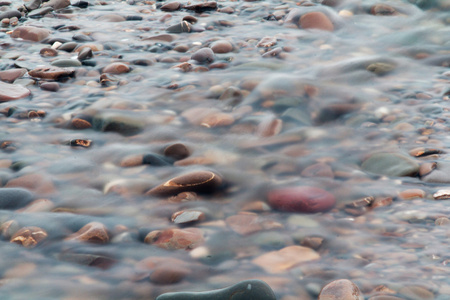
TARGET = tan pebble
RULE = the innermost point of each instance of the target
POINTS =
(94, 232)
(132, 161)
(30, 33)
(184, 197)
(221, 46)
(316, 20)
(37, 183)
(195, 160)
(280, 261)
(20, 270)
(345, 13)
(341, 289)
(267, 42)
(29, 237)
(116, 68)
(217, 120)
(9, 228)
(244, 224)
(269, 127)
(412, 194)
(78, 123)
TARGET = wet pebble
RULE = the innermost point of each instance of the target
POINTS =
(197, 181)
(12, 198)
(116, 122)
(173, 239)
(342, 289)
(30, 33)
(9, 92)
(48, 52)
(94, 232)
(390, 164)
(276, 262)
(64, 63)
(53, 73)
(203, 56)
(316, 20)
(116, 68)
(171, 6)
(29, 237)
(177, 151)
(12, 74)
(248, 289)
(221, 46)
(301, 199)
(50, 86)
(56, 4)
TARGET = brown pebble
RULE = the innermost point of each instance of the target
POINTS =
(50, 86)
(301, 199)
(10, 92)
(29, 237)
(48, 52)
(177, 151)
(171, 6)
(383, 10)
(184, 197)
(221, 46)
(172, 239)
(190, 19)
(198, 181)
(30, 33)
(132, 161)
(53, 73)
(316, 20)
(12, 74)
(169, 274)
(217, 119)
(34, 182)
(116, 68)
(267, 42)
(39, 205)
(411, 194)
(94, 232)
(426, 168)
(245, 224)
(78, 123)
(341, 289)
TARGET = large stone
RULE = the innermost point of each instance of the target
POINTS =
(316, 20)
(301, 199)
(11, 198)
(390, 164)
(244, 290)
(342, 289)
(30, 33)
(10, 92)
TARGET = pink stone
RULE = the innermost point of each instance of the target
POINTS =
(30, 33)
(301, 199)
(12, 92)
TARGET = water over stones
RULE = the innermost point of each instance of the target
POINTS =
(9, 92)
(342, 289)
(244, 290)
(390, 164)
(301, 199)
(12, 198)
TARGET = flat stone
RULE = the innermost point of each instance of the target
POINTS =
(121, 123)
(177, 151)
(53, 73)
(10, 14)
(342, 289)
(244, 290)
(36, 183)
(10, 92)
(301, 199)
(171, 6)
(30, 33)
(390, 164)
(198, 181)
(280, 261)
(64, 63)
(111, 18)
(203, 55)
(12, 74)
(173, 239)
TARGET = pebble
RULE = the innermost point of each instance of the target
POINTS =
(53, 73)
(94, 232)
(48, 52)
(9, 92)
(30, 33)
(244, 290)
(201, 7)
(12, 198)
(116, 68)
(111, 18)
(177, 151)
(63, 63)
(37, 183)
(203, 55)
(342, 289)
(29, 237)
(278, 262)
(10, 14)
(174, 239)
(50, 86)
(197, 181)
(164, 270)
(316, 20)
(221, 46)
(56, 4)
(187, 216)
(171, 6)
(10, 75)
(303, 199)
(117, 122)
(390, 164)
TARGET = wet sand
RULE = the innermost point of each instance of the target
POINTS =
(154, 147)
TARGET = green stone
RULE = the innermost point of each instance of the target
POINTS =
(390, 164)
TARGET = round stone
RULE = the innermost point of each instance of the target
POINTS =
(316, 20)
(342, 289)
(221, 46)
(203, 56)
(30, 33)
(301, 199)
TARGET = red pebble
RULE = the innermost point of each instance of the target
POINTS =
(301, 199)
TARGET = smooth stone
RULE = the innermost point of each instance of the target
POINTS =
(177, 151)
(35, 182)
(301, 199)
(40, 12)
(57, 4)
(111, 18)
(203, 55)
(12, 74)
(34, 4)
(116, 68)
(68, 47)
(221, 46)
(316, 20)
(173, 239)
(116, 122)
(85, 53)
(276, 262)
(29, 237)
(53, 73)
(10, 14)
(63, 63)
(181, 27)
(187, 216)
(12, 198)
(10, 92)
(94, 232)
(48, 52)
(156, 160)
(438, 172)
(390, 164)
(201, 7)
(341, 289)
(50, 86)
(244, 290)
(197, 181)
(383, 10)
(171, 6)
(30, 33)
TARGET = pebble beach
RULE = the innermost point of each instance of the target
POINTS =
(226, 150)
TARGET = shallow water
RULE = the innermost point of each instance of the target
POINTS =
(311, 115)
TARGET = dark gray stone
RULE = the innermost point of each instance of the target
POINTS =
(244, 290)
(12, 198)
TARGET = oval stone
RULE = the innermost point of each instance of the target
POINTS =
(204, 55)
(11, 198)
(198, 181)
(244, 290)
(116, 68)
(301, 199)
(341, 289)
(316, 20)
(221, 46)
(390, 164)
(30, 33)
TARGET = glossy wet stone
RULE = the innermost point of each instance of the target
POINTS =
(199, 182)
(173, 239)
(390, 164)
(249, 289)
(116, 122)
(342, 289)
(53, 73)
(29, 237)
(94, 232)
(301, 199)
